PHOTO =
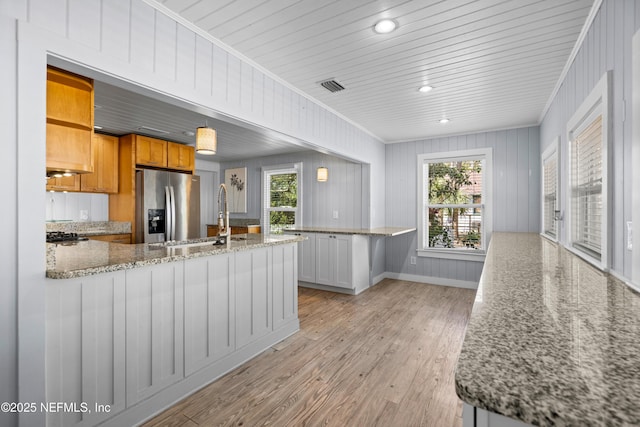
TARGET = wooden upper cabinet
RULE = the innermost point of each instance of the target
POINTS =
(104, 178)
(180, 156)
(64, 183)
(69, 122)
(151, 151)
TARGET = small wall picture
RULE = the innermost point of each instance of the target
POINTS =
(236, 182)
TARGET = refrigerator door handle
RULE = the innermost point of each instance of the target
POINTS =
(173, 213)
(168, 212)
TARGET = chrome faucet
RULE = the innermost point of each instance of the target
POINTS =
(223, 218)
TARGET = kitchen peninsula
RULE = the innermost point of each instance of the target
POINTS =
(551, 340)
(131, 329)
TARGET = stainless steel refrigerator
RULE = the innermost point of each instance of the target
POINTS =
(167, 206)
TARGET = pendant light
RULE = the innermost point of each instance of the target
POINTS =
(206, 140)
(322, 174)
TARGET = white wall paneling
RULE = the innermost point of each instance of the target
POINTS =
(209, 295)
(319, 199)
(253, 295)
(86, 347)
(606, 47)
(516, 195)
(155, 342)
(635, 185)
(285, 284)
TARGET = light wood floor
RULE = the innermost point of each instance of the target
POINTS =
(385, 357)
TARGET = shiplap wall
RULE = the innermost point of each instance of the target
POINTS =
(342, 192)
(516, 195)
(607, 46)
(122, 40)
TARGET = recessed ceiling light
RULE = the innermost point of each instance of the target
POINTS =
(385, 26)
(444, 121)
(426, 88)
(188, 133)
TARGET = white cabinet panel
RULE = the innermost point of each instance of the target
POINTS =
(285, 284)
(154, 329)
(325, 254)
(85, 347)
(253, 295)
(343, 261)
(209, 310)
(307, 258)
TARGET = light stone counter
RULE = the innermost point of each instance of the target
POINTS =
(551, 340)
(76, 259)
(380, 231)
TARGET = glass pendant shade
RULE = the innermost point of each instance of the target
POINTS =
(322, 174)
(206, 140)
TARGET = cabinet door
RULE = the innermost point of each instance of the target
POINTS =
(307, 258)
(209, 310)
(68, 149)
(151, 151)
(325, 264)
(64, 183)
(343, 261)
(285, 284)
(85, 347)
(253, 295)
(180, 156)
(154, 329)
(104, 178)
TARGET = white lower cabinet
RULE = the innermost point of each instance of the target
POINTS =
(154, 329)
(85, 349)
(209, 321)
(334, 261)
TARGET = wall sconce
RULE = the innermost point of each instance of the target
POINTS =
(206, 140)
(322, 174)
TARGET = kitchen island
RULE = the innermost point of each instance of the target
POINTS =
(551, 341)
(132, 329)
(341, 259)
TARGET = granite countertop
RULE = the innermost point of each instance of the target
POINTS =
(551, 340)
(380, 231)
(90, 228)
(77, 259)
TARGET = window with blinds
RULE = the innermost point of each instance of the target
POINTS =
(550, 194)
(586, 189)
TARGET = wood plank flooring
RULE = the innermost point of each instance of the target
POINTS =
(385, 357)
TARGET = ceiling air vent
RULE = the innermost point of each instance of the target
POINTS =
(332, 85)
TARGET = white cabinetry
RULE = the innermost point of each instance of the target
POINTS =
(209, 322)
(85, 342)
(333, 260)
(154, 329)
(338, 262)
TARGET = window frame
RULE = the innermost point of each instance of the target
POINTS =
(597, 103)
(485, 154)
(552, 150)
(267, 171)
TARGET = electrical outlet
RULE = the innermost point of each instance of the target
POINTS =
(413, 260)
(629, 235)
(84, 215)
(335, 214)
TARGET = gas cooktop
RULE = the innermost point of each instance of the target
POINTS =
(61, 236)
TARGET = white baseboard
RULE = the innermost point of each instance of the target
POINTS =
(441, 281)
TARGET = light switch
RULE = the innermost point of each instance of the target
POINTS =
(335, 214)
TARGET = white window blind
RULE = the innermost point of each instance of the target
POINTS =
(586, 189)
(550, 194)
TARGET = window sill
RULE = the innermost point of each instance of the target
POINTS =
(457, 254)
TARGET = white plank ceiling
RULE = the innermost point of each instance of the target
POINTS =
(493, 64)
